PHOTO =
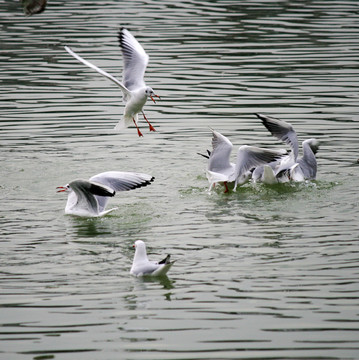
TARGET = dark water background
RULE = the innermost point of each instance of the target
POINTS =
(263, 273)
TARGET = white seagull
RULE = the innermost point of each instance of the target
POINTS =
(89, 197)
(135, 91)
(265, 174)
(292, 167)
(142, 266)
(221, 170)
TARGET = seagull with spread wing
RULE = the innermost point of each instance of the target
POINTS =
(89, 197)
(221, 170)
(135, 91)
(291, 167)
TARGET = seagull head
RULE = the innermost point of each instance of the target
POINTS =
(139, 244)
(150, 93)
(140, 251)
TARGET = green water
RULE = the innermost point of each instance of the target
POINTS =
(268, 272)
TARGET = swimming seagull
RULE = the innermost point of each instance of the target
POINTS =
(290, 167)
(142, 266)
(89, 197)
(135, 91)
(221, 170)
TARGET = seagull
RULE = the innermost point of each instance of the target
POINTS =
(142, 266)
(290, 167)
(265, 174)
(221, 170)
(89, 197)
(135, 91)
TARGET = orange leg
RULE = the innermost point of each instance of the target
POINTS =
(225, 185)
(138, 130)
(151, 127)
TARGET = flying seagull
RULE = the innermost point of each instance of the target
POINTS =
(135, 91)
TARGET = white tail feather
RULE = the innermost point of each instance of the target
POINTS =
(125, 122)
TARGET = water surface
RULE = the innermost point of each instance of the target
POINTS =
(268, 272)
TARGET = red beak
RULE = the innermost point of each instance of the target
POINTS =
(153, 98)
(61, 188)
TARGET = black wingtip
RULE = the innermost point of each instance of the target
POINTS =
(260, 116)
(150, 181)
(145, 183)
(100, 190)
(166, 260)
(263, 119)
(265, 122)
(120, 36)
(205, 156)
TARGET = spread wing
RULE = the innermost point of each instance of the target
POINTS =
(282, 131)
(249, 157)
(135, 60)
(100, 71)
(120, 181)
(220, 155)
